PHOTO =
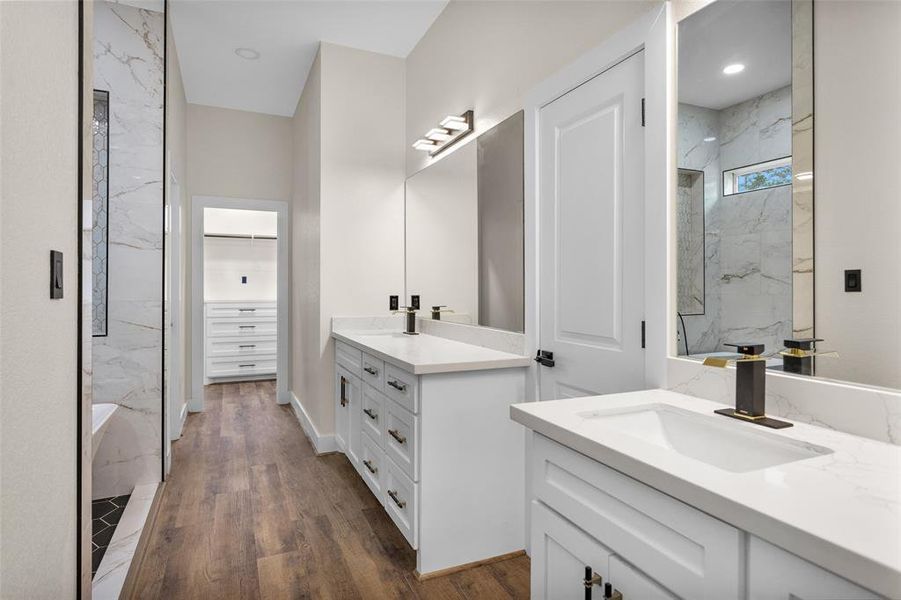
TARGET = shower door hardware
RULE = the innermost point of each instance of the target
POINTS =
(372, 415)
(642, 112)
(398, 386)
(591, 579)
(396, 435)
(642, 333)
(400, 503)
(343, 391)
(56, 274)
(369, 466)
(545, 358)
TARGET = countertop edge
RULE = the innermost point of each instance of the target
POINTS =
(877, 577)
(438, 368)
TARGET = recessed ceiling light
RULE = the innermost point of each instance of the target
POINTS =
(709, 139)
(247, 53)
(733, 69)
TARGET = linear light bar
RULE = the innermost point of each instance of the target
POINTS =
(453, 129)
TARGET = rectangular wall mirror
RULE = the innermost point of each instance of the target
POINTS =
(464, 231)
(749, 263)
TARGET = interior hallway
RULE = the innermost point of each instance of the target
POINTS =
(250, 512)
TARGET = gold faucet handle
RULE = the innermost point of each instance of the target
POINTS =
(724, 361)
(801, 353)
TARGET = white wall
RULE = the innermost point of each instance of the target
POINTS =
(38, 337)
(857, 91)
(226, 259)
(485, 55)
(353, 227)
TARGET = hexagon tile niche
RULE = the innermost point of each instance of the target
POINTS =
(100, 234)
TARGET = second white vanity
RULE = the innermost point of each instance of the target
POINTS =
(663, 499)
(425, 421)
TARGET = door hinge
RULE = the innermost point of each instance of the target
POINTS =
(642, 112)
(642, 333)
(545, 358)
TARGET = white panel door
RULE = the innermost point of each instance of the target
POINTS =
(591, 235)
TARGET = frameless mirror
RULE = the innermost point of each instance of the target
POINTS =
(745, 206)
(464, 231)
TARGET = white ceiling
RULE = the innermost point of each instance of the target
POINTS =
(756, 33)
(286, 33)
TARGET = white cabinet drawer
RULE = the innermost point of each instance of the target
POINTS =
(237, 346)
(237, 366)
(372, 466)
(401, 502)
(253, 327)
(373, 371)
(250, 309)
(349, 357)
(400, 438)
(373, 413)
(689, 553)
(402, 387)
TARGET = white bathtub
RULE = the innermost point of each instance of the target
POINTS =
(100, 419)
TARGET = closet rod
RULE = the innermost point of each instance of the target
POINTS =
(243, 236)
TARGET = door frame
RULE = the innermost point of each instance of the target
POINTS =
(653, 33)
(283, 296)
(176, 408)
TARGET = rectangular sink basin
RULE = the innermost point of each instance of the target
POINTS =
(716, 441)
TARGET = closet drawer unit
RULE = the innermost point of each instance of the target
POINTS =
(237, 366)
(401, 502)
(236, 346)
(246, 327)
(400, 438)
(240, 310)
(402, 387)
(373, 371)
(373, 414)
(372, 466)
(349, 357)
(690, 553)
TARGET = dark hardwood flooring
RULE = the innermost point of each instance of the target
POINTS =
(250, 512)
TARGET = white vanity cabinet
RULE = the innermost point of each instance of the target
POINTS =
(438, 450)
(649, 545)
(240, 341)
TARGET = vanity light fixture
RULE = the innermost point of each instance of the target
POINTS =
(804, 176)
(733, 69)
(453, 129)
(247, 53)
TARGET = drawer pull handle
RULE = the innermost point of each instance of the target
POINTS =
(247, 310)
(248, 365)
(247, 345)
(369, 466)
(398, 386)
(343, 391)
(396, 435)
(247, 326)
(400, 503)
(371, 371)
(372, 415)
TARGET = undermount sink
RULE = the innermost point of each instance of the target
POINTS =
(713, 440)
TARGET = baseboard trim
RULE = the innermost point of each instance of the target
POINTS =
(322, 444)
(194, 405)
(467, 566)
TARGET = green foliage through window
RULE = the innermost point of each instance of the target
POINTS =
(768, 178)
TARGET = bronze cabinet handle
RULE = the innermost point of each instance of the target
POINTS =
(247, 345)
(396, 435)
(247, 310)
(371, 371)
(369, 466)
(400, 503)
(248, 365)
(343, 391)
(372, 415)
(398, 386)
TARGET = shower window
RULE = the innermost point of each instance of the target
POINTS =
(100, 212)
(773, 173)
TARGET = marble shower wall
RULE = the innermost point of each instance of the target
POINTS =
(748, 237)
(128, 63)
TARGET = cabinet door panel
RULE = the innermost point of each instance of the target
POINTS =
(348, 394)
(774, 574)
(560, 553)
(633, 584)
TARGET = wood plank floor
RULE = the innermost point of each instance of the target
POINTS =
(250, 512)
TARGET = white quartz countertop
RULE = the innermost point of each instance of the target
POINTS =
(840, 510)
(424, 354)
